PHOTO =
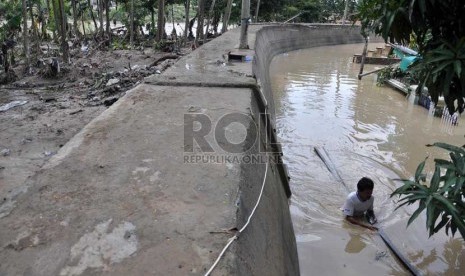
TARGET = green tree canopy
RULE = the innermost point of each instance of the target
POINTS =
(438, 30)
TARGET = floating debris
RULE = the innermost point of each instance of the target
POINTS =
(12, 104)
(380, 255)
(76, 112)
(26, 140)
(5, 152)
(194, 109)
(49, 153)
(112, 82)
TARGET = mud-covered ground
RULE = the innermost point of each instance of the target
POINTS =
(58, 108)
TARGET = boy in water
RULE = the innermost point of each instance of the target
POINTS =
(360, 203)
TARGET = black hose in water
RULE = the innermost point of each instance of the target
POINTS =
(399, 255)
(324, 156)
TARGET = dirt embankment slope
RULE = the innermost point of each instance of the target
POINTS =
(50, 111)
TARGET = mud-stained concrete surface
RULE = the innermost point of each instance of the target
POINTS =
(119, 201)
(57, 108)
(96, 249)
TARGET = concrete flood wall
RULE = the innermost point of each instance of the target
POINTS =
(270, 241)
(267, 246)
(274, 40)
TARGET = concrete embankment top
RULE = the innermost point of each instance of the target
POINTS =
(129, 196)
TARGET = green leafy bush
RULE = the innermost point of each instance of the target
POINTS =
(10, 12)
(443, 199)
(394, 72)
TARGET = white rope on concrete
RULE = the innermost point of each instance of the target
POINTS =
(258, 200)
(221, 255)
(231, 240)
(236, 236)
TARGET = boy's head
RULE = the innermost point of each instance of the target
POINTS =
(365, 188)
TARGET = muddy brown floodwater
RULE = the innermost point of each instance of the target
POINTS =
(368, 131)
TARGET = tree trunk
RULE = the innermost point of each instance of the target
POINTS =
(43, 27)
(167, 12)
(161, 19)
(208, 20)
(174, 24)
(35, 31)
(227, 14)
(201, 13)
(152, 19)
(215, 22)
(75, 24)
(191, 24)
(91, 10)
(100, 16)
(64, 43)
(362, 63)
(57, 20)
(346, 9)
(256, 10)
(54, 34)
(131, 25)
(107, 16)
(187, 6)
(245, 15)
(25, 36)
(83, 25)
(31, 16)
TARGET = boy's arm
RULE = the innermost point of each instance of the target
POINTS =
(348, 210)
(358, 222)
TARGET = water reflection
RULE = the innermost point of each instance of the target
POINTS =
(355, 244)
(454, 256)
(369, 131)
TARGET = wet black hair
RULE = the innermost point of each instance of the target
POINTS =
(365, 184)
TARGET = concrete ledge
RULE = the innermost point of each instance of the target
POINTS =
(201, 81)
